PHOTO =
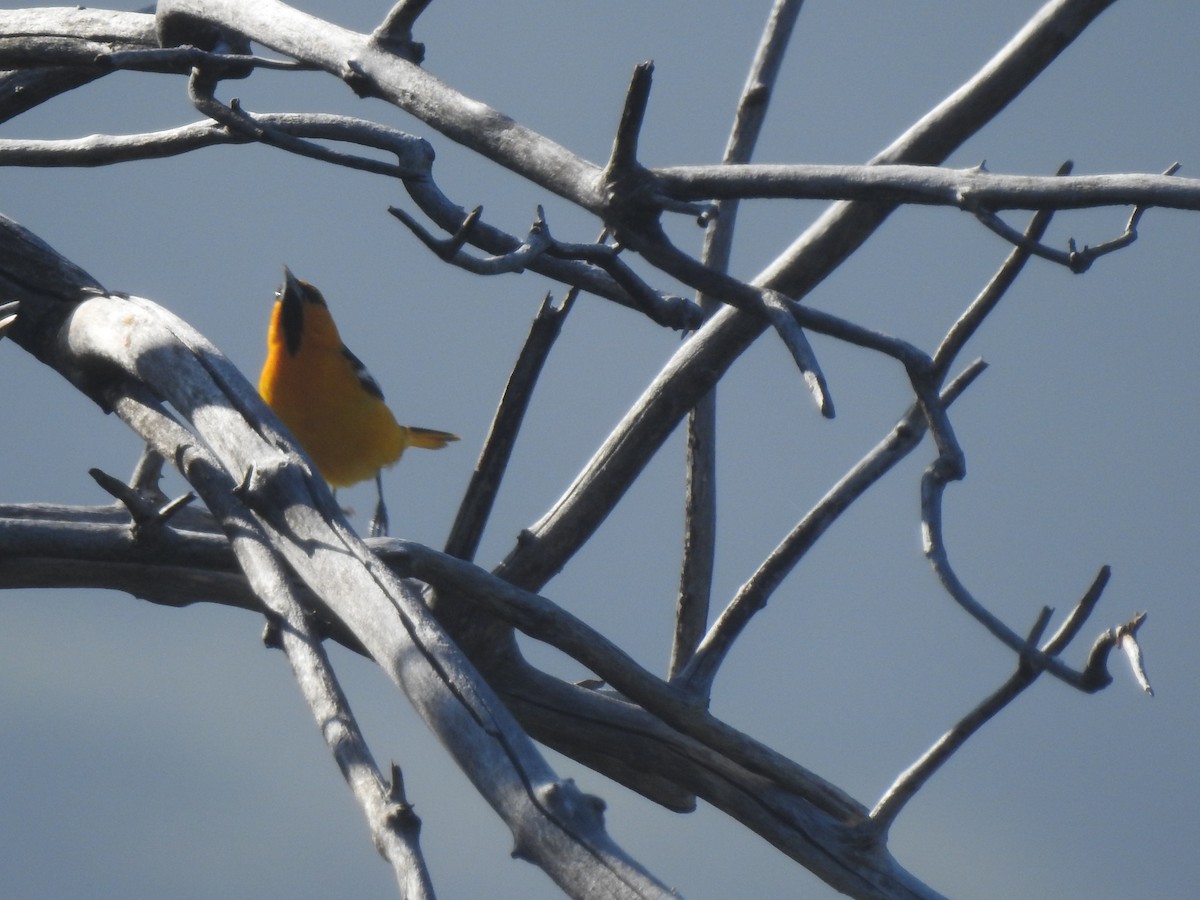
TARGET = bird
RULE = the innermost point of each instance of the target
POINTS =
(326, 397)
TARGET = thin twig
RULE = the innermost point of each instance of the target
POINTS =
(660, 252)
(182, 59)
(699, 536)
(1127, 641)
(918, 774)
(631, 199)
(606, 276)
(698, 676)
(480, 495)
(970, 321)
(951, 461)
(413, 154)
(1092, 678)
(623, 161)
(201, 88)
(447, 249)
(633, 205)
(1078, 261)
(148, 472)
(540, 244)
(781, 315)
(748, 121)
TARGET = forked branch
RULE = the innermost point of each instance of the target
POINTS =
(127, 353)
(915, 777)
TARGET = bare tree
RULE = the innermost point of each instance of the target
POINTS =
(273, 540)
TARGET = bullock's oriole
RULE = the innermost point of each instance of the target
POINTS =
(328, 399)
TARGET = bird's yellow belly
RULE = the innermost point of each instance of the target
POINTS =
(349, 440)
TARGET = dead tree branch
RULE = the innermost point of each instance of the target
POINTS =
(109, 346)
(699, 364)
(911, 781)
(277, 543)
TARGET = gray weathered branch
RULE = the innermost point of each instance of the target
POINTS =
(114, 348)
(699, 364)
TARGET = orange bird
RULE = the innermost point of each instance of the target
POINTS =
(324, 394)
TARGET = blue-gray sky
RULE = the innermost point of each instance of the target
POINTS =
(158, 752)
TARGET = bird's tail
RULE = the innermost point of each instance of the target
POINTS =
(428, 438)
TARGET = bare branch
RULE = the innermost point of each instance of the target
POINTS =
(293, 524)
(540, 245)
(537, 242)
(632, 213)
(477, 502)
(700, 363)
(623, 163)
(413, 155)
(805, 816)
(1127, 641)
(148, 514)
(104, 31)
(107, 344)
(447, 249)
(1076, 260)
(699, 545)
(200, 90)
(288, 628)
(699, 536)
(990, 296)
(1092, 678)
(918, 774)
(929, 185)
(54, 50)
(698, 676)
(378, 72)
(785, 319)
(24, 89)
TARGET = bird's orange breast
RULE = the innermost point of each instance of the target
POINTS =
(349, 432)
